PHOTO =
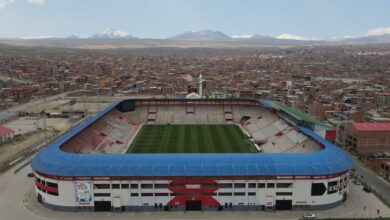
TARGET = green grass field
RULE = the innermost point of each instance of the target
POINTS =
(190, 139)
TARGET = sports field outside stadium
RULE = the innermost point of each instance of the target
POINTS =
(179, 138)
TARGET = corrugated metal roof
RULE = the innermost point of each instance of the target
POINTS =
(300, 115)
(54, 161)
(5, 131)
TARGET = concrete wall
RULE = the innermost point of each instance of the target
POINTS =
(258, 198)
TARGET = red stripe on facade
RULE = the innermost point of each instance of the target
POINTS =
(200, 103)
(187, 190)
(199, 180)
(193, 193)
(181, 200)
(108, 178)
(47, 188)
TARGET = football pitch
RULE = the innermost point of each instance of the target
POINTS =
(190, 139)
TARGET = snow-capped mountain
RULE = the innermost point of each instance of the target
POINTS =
(111, 33)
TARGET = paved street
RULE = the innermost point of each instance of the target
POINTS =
(38, 101)
(375, 182)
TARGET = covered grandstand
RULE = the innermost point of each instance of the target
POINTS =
(303, 119)
(292, 167)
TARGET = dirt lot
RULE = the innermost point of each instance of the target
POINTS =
(13, 147)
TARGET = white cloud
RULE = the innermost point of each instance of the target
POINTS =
(245, 36)
(37, 37)
(373, 32)
(294, 37)
(4, 3)
(377, 31)
(121, 33)
(342, 37)
(39, 2)
(111, 33)
(290, 36)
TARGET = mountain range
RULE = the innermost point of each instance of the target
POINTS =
(114, 39)
(209, 35)
(203, 35)
(216, 36)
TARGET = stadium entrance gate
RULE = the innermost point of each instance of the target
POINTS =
(102, 206)
(193, 205)
(39, 198)
(283, 205)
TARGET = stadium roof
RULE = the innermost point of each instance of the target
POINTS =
(298, 114)
(54, 161)
(384, 126)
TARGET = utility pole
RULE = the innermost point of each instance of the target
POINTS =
(37, 125)
(110, 91)
(70, 111)
(98, 100)
(45, 127)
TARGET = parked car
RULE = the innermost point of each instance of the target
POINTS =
(308, 215)
(357, 182)
(367, 189)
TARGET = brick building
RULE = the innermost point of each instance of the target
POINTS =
(380, 164)
(365, 138)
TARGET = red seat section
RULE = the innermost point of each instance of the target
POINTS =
(109, 134)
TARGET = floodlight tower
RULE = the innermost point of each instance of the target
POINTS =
(42, 115)
(85, 104)
(200, 84)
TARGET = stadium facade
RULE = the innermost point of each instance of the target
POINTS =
(295, 168)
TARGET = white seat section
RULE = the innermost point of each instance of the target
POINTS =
(139, 114)
(296, 137)
(274, 135)
(181, 115)
(241, 111)
(306, 146)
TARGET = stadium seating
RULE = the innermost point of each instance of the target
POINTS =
(110, 134)
(275, 136)
(139, 114)
(114, 132)
(180, 115)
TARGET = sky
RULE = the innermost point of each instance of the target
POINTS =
(296, 19)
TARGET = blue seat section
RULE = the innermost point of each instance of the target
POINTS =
(53, 161)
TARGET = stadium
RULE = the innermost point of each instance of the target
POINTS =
(193, 154)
